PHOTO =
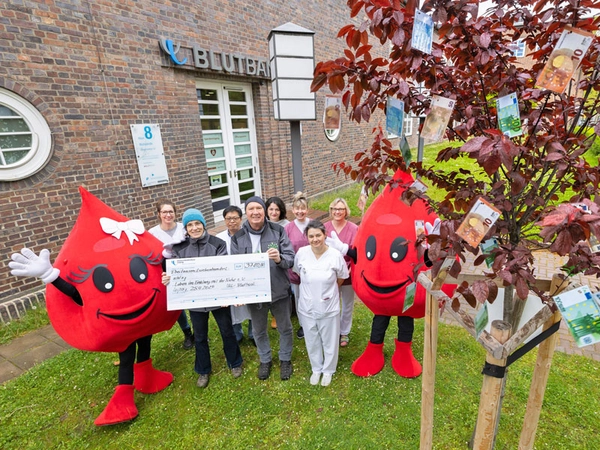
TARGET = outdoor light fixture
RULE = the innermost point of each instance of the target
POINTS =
(292, 62)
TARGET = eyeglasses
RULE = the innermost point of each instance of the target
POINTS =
(338, 209)
(233, 219)
(166, 213)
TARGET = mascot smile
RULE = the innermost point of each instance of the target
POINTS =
(104, 294)
(385, 256)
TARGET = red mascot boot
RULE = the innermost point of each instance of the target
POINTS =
(120, 408)
(403, 361)
(370, 362)
(149, 380)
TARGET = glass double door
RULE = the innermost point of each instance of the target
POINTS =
(229, 136)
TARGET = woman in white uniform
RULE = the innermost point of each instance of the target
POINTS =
(322, 270)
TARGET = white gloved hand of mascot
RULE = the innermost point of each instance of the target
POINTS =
(433, 228)
(28, 264)
(335, 242)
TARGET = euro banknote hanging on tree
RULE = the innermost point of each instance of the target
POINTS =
(473, 63)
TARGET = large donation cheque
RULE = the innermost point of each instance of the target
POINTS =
(218, 281)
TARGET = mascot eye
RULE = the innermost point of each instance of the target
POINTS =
(371, 247)
(103, 279)
(398, 249)
(138, 269)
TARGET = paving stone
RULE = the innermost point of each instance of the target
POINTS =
(22, 345)
(8, 371)
(37, 355)
(48, 332)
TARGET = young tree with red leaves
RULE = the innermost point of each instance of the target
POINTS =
(473, 62)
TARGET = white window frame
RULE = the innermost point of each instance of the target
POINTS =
(408, 125)
(234, 194)
(41, 139)
(519, 48)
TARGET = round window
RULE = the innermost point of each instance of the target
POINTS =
(333, 134)
(25, 138)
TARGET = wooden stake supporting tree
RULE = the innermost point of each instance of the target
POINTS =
(428, 385)
(541, 373)
(499, 346)
(489, 410)
(524, 172)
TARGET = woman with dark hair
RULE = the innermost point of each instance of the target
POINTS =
(322, 270)
(276, 211)
(169, 231)
(233, 221)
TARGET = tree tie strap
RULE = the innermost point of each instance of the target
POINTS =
(496, 371)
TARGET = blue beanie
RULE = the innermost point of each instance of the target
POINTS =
(258, 200)
(192, 214)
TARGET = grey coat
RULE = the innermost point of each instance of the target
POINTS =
(271, 233)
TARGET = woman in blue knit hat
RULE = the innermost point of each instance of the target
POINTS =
(200, 243)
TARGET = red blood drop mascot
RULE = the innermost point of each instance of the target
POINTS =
(384, 258)
(104, 294)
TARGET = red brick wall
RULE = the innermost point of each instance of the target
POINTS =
(94, 68)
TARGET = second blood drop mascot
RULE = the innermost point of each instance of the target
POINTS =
(383, 270)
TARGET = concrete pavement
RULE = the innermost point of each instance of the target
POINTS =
(22, 353)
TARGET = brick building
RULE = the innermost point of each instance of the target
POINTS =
(76, 75)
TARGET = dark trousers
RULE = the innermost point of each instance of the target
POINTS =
(183, 322)
(406, 327)
(141, 347)
(231, 348)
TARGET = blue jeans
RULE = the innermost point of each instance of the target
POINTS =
(239, 332)
(183, 322)
(231, 348)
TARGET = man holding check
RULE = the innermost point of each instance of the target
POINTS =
(260, 236)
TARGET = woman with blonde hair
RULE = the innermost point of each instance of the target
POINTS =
(339, 211)
(295, 231)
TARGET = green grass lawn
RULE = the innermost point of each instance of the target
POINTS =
(32, 320)
(55, 403)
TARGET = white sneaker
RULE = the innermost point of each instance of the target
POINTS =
(326, 381)
(314, 378)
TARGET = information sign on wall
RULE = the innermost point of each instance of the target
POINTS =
(150, 154)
